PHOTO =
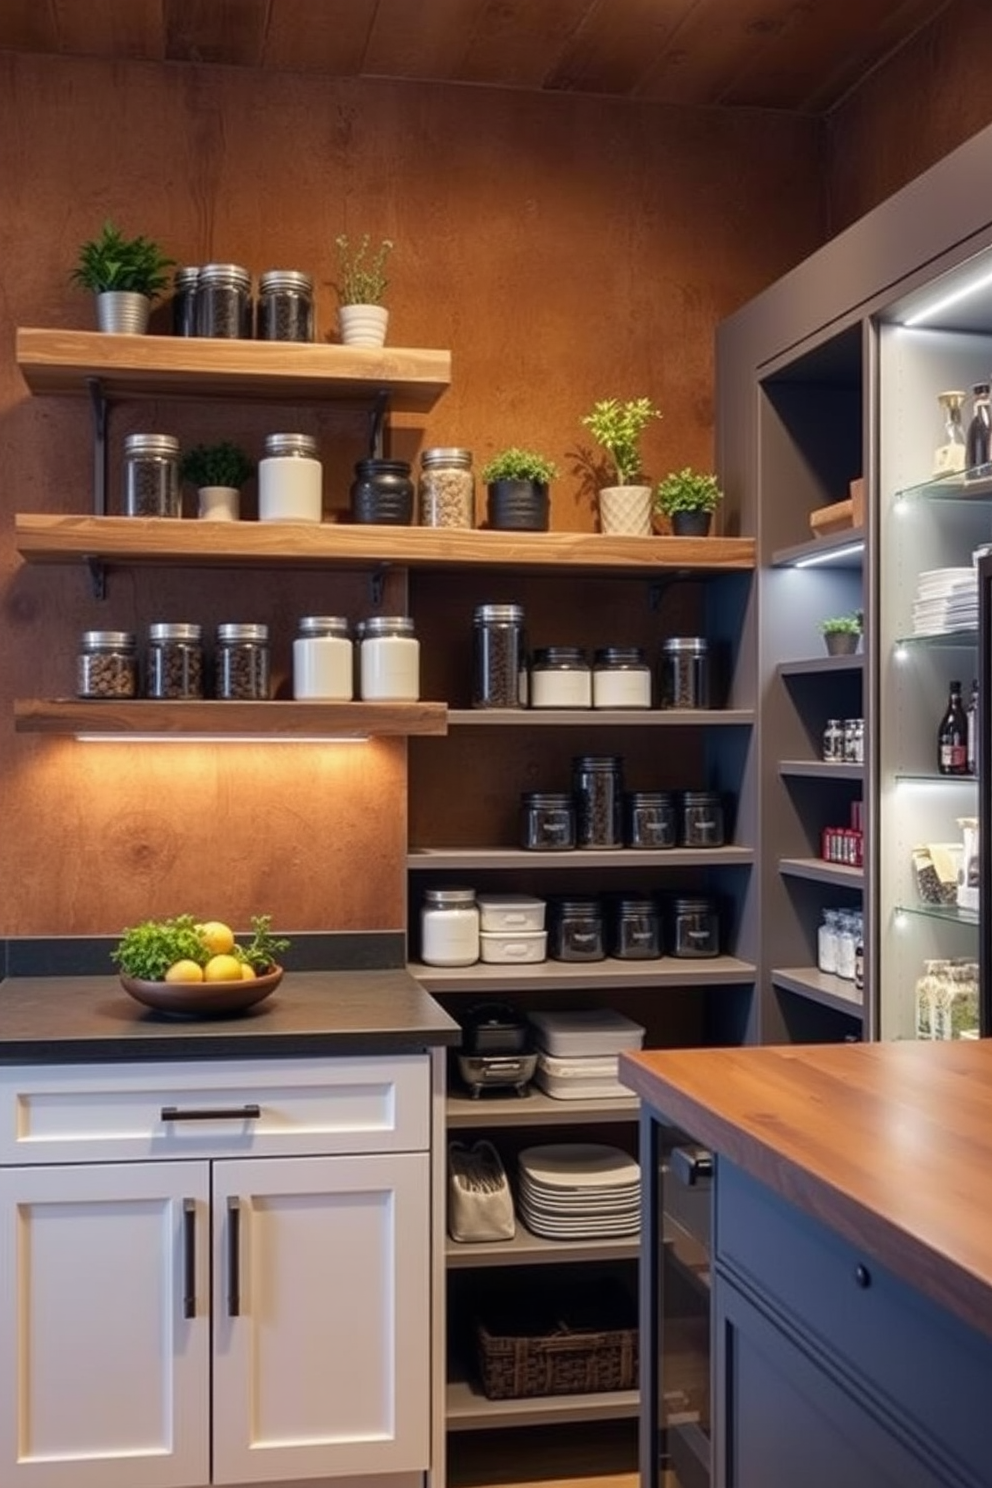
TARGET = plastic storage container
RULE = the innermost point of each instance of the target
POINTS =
(581, 1077)
(290, 480)
(510, 912)
(446, 490)
(560, 677)
(621, 678)
(242, 662)
(323, 659)
(174, 660)
(151, 476)
(388, 659)
(586, 1031)
(497, 656)
(510, 947)
(106, 666)
(449, 927)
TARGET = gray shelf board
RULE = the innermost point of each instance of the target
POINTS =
(820, 986)
(821, 770)
(568, 976)
(816, 664)
(482, 858)
(600, 717)
(526, 1249)
(467, 1409)
(951, 914)
(940, 640)
(955, 487)
(821, 548)
(822, 872)
(504, 1108)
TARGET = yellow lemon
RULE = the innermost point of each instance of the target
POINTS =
(184, 971)
(217, 937)
(247, 972)
(222, 968)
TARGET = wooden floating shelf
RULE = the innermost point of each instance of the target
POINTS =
(164, 540)
(287, 720)
(612, 718)
(64, 361)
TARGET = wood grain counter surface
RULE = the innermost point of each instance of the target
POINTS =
(889, 1144)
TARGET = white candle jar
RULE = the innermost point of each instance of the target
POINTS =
(323, 659)
(388, 660)
(290, 480)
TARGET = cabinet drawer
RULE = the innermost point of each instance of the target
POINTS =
(82, 1113)
(911, 1361)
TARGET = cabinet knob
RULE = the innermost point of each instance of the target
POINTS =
(862, 1277)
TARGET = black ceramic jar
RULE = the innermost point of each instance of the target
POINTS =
(382, 493)
(518, 506)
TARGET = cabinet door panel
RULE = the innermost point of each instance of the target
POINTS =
(102, 1378)
(324, 1370)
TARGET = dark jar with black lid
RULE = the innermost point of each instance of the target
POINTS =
(695, 927)
(547, 821)
(702, 819)
(575, 930)
(650, 819)
(635, 928)
(382, 493)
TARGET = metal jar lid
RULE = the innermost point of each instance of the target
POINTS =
(111, 640)
(385, 625)
(499, 614)
(185, 277)
(618, 656)
(597, 762)
(547, 800)
(561, 656)
(234, 631)
(168, 630)
(323, 625)
(447, 898)
(695, 645)
(285, 279)
(445, 455)
(301, 445)
(225, 276)
(151, 444)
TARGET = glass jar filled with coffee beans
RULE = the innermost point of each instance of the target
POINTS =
(151, 476)
(106, 666)
(498, 656)
(597, 785)
(285, 305)
(223, 302)
(685, 672)
(446, 489)
(174, 660)
(242, 662)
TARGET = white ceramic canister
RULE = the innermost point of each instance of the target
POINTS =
(449, 927)
(323, 659)
(388, 660)
(290, 480)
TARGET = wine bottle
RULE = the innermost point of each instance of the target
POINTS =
(952, 736)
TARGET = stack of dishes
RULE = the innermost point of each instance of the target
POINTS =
(946, 599)
(579, 1191)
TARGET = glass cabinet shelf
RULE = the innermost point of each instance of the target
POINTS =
(932, 640)
(961, 486)
(950, 913)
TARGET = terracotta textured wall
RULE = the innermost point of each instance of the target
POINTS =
(564, 249)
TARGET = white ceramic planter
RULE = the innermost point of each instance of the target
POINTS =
(122, 312)
(219, 503)
(625, 511)
(363, 325)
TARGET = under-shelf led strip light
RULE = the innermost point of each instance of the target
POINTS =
(945, 303)
(834, 555)
(222, 738)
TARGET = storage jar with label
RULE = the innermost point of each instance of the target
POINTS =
(449, 927)
(685, 672)
(388, 659)
(151, 476)
(560, 677)
(547, 821)
(621, 678)
(223, 302)
(702, 819)
(635, 928)
(497, 656)
(695, 928)
(382, 493)
(290, 480)
(174, 661)
(597, 785)
(242, 662)
(650, 819)
(323, 659)
(106, 666)
(184, 282)
(446, 488)
(285, 305)
(575, 930)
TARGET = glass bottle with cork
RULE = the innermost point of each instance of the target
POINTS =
(952, 735)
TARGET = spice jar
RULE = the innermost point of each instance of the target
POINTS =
(547, 821)
(832, 750)
(174, 661)
(597, 785)
(447, 488)
(223, 302)
(575, 930)
(106, 666)
(323, 659)
(621, 678)
(290, 480)
(560, 677)
(184, 282)
(695, 928)
(285, 305)
(635, 928)
(382, 493)
(388, 659)
(650, 819)
(242, 662)
(685, 672)
(449, 927)
(498, 656)
(702, 819)
(151, 476)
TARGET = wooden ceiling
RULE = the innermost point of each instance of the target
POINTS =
(802, 56)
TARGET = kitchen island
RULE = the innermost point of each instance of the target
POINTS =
(851, 1269)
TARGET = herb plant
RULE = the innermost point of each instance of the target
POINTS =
(362, 272)
(842, 624)
(617, 427)
(222, 464)
(148, 950)
(113, 262)
(519, 464)
(687, 490)
(262, 949)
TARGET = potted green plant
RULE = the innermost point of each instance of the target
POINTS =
(842, 634)
(125, 275)
(517, 483)
(688, 498)
(218, 471)
(617, 425)
(361, 286)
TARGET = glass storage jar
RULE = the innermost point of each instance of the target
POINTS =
(702, 819)
(832, 749)
(323, 659)
(560, 677)
(575, 930)
(497, 656)
(597, 785)
(285, 306)
(184, 282)
(151, 476)
(106, 666)
(388, 659)
(290, 480)
(685, 672)
(547, 821)
(174, 660)
(621, 678)
(446, 488)
(635, 928)
(242, 662)
(695, 927)
(223, 302)
(650, 819)
(826, 942)
(449, 927)
(382, 493)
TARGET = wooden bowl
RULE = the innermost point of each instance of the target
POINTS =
(202, 999)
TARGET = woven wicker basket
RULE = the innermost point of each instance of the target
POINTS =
(576, 1348)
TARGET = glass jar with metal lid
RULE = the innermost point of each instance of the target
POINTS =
(184, 282)
(285, 305)
(242, 662)
(621, 678)
(323, 659)
(497, 656)
(151, 476)
(106, 666)
(575, 930)
(290, 479)
(446, 490)
(223, 302)
(174, 660)
(695, 928)
(685, 672)
(702, 819)
(547, 821)
(449, 927)
(635, 928)
(560, 677)
(388, 659)
(650, 819)
(597, 785)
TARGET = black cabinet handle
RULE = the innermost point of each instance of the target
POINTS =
(862, 1277)
(249, 1112)
(233, 1257)
(189, 1258)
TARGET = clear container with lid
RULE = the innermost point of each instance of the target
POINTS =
(106, 665)
(290, 479)
(184, 282)
(547, 821)
(323, 659)
(242, 662)
(702, 819)
(685, 672)
(650, 819)
(621, 678)
(695, 928)
(151, 476)
(174, 660)
(446, 489)
(635, 928)
(497, 656)
(560, 677)
(223, 302)
(388, 659)
(449, 927)
(575, 930)
(285, 305)
(597, 785)
(826, 942)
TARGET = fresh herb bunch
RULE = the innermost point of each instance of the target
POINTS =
(362, 274)
(149, 949)
(262, 949)
(519, 464)
(617, 426)
(113, 262)
(223, 464)
(687, 490)
(842, 624)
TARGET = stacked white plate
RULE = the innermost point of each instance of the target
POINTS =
(946, 599)
(578, 1191)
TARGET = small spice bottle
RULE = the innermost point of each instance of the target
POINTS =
(290, 480)
(106, 666)
(685, 672)
(151, 476)
(635, 928)
(832, 750)
(388, 659)
(382, 493)
(575, 930)
(184, 282)
(174, 661)
(449, 927)
(446, 490)
(242, 662)
(702, 819)
(323, 659)
(547, 821)
(223, 302)
(695, 928)
(560, 677)
(650, 819)
(497, 656)
(621, 678)
(597, 785)
(285, 306)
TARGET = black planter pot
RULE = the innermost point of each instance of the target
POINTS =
(382, 493)
(519, 506)
(691, 523)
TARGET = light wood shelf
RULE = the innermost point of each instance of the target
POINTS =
(286, 720)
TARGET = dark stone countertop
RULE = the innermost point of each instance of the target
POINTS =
(78, 1020)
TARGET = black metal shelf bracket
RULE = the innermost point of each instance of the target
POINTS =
(377, 586)
(98, 407)
(660, 584)
(377, 424)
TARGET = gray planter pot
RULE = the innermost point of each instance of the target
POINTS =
(122, 313)
(841, 643)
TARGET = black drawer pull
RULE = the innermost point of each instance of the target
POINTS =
(233, 1257)
(189, 1258)
(211, 1113)
(862, 1277)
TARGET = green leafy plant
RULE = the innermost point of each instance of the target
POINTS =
(617, 426)
(842, 624)
(148, 949)
(687, 490)
(264, 947)
(361, 271)
(223, 464)
(113, 262)
(519, 464)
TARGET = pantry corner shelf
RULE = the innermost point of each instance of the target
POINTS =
(822, 987)
(315, 721)
(818, 870)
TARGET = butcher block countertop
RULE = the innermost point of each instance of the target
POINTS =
(888, 1144)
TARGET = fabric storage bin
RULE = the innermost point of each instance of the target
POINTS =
(556, 1341)
(511, 947)
(586, 1031)
(499, 912)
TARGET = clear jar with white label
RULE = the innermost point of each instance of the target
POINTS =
(388, 659)
(290, 480)
(560, 677)
(449, 927)
(621, 678)
(323, 659)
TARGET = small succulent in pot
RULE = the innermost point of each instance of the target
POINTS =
(519, 464)
(223, 464)
(361, 270)
(842, 633)
(517, 481)
(112, 265)
(688, 498)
